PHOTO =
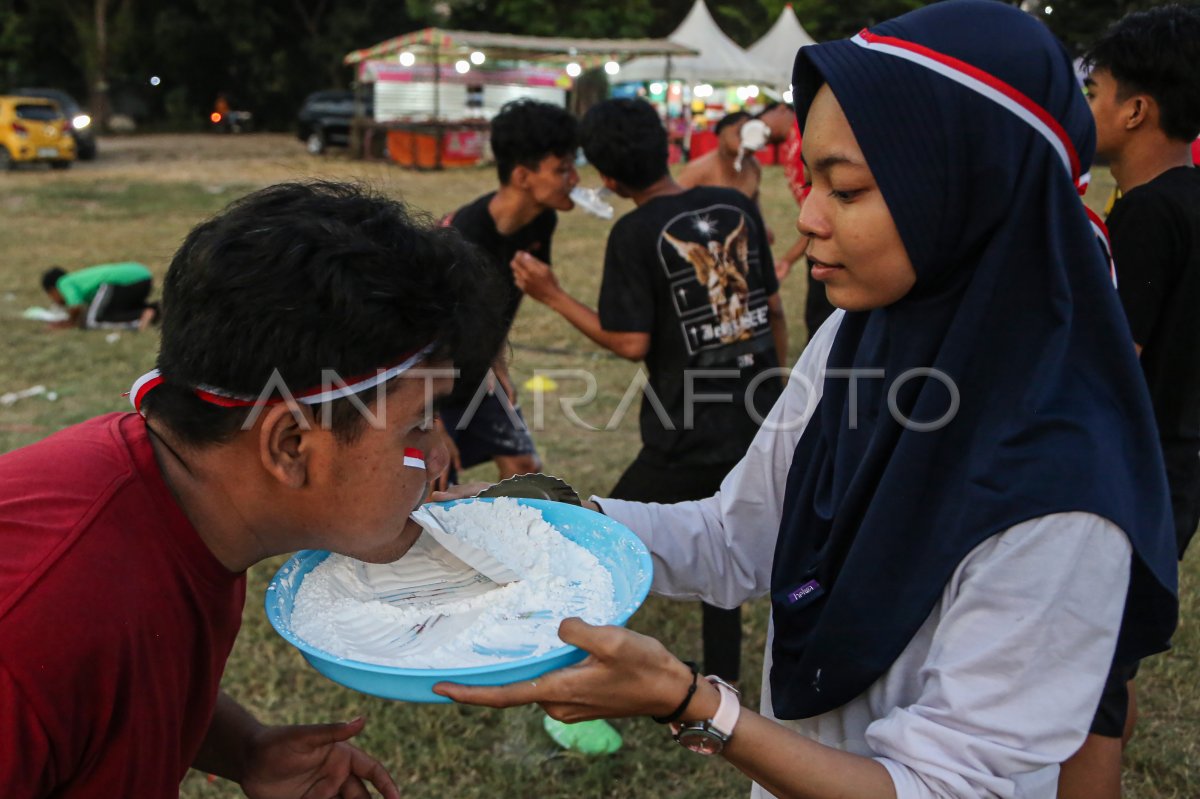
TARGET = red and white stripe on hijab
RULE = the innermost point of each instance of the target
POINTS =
(314, 396)
(1007, 97)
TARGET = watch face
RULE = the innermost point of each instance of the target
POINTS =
(705, 742)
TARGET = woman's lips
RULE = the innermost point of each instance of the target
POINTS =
(822, 270)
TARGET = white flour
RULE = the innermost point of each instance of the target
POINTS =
(337, 611)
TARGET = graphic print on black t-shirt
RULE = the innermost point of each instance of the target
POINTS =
(693, 271)
(706, 255)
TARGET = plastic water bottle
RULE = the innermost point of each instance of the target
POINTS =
(592, 201)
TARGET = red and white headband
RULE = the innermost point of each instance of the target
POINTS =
(314, 396)
(1007, 97)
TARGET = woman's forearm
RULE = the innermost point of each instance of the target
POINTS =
(792, 766)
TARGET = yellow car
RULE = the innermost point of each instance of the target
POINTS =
(33, 129)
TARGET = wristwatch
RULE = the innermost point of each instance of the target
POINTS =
(709, 737)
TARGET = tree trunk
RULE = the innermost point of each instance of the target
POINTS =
(98, 80)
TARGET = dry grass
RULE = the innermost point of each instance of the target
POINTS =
(137, 202)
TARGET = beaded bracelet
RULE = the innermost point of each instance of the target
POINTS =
(679, 711)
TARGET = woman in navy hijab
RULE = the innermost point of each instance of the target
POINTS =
(958, 508)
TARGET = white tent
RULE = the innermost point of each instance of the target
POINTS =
(777, 48)
(720, 59)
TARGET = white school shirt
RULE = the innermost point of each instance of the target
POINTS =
(1001, 682)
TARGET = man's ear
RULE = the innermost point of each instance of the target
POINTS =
(613, 185)
(286, 435)
(519, 179)
(1141, 107)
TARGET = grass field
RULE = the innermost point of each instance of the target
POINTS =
(138, 201)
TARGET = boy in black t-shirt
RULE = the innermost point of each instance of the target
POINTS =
(688, 287)
(534, 145)
(1144, 91)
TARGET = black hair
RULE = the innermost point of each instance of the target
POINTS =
(526, 131)
(300, 278)
(1157, 52)
(626, 141)
(771, 106)
(51, 277)
(730, 119)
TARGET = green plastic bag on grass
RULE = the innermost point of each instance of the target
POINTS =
(586, 737)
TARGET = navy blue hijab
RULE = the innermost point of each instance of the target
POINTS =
(1013, 303)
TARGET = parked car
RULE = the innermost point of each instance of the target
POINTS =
(81, 123)
(33, 129)
(324, 119)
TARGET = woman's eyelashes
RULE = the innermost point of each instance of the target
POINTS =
(845, 195)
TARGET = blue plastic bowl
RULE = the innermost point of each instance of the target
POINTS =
(613, 544)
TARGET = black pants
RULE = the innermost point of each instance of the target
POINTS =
(817, 307)
(116, 306)
(647, 481)
(1114, 702)
(1182, 459)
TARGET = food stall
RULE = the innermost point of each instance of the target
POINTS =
(435, 90)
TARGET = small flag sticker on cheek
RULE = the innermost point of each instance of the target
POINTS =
(414, 458)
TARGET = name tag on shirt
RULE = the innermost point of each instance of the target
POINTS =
(803, 594)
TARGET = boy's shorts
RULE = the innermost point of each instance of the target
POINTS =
(1182, 459)
(1114, 703)
(489, 431)
(117, 305)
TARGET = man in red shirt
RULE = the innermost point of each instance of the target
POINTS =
(277, 420)
(785, 132)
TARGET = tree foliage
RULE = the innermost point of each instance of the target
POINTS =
(1079, 22)
(824, 20)
(267, 54)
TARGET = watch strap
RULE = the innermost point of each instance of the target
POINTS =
(721, 724)
(728, 711)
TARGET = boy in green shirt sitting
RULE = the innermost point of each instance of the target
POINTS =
(105, 296)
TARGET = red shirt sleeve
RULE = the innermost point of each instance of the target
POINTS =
(793, 165)
(25, 762)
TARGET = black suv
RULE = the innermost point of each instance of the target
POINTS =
(324, 119)
(80, 123)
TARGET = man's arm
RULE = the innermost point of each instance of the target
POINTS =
(227, 743)
(500, 370)
(778, 327)
(754, 166)
(783, 266)
(537, 280)
(279, 762)
(75, 318)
